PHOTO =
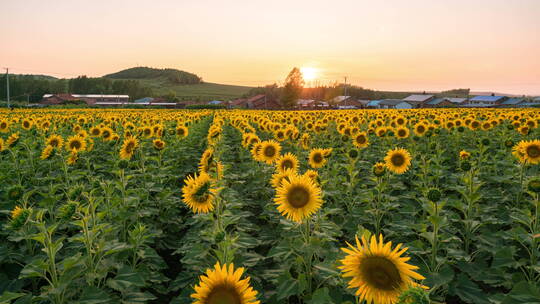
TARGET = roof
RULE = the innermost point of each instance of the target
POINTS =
(487, 98)
(513, 101)
(305, 101)
(340, 98)
(86, 95)
(238, 102)
(436, 101)
(143, 100)
(537, 98)
(418, 98)
(373, 103)
(476, 105)
(110, 103)
(256, 97)
(215, 102)
(391, 102)
(456, 99)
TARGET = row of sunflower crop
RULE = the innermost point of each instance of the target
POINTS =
(278, 193)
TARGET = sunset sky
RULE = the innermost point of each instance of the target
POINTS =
(485, 45)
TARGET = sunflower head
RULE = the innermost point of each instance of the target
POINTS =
(298, 198)
(360, 140)
(377, 271)
(270, 151)
(158, 144)
(19, 216)
(398, 160)
(198, 193)
(379, 169)
(287, 161)
(222, 285)
(464, 154)
(317, 157)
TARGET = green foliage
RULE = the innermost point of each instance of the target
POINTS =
(172, 75)
(292, 89)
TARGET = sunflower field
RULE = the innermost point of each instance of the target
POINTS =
(245, 206)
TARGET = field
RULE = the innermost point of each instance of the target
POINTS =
(205, 91)
(235, 207)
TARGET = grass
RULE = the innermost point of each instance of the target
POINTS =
(202, 92)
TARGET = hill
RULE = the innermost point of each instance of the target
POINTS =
(171, 75)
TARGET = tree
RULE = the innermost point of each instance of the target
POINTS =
(292, 90)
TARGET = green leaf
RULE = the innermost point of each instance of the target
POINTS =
(125, 279)
(7, 296)
(523, 293)
(93, 295)
(321, 296)
(467, 290)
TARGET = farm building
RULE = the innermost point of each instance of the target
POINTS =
(512, 102)
(89, 99)
(394, 104)
(260, 101)
(439, 103)
(418, 100)
(486, 100)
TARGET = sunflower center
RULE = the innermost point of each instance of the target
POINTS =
(381, 273)
(402, 133)
(75, 145)
(54, 142)
(420, 129)
(317, 158)
(397, 160)
(287, 164)
(223, 295)
(269, 151)
(533, 151)
(361, 139)
(3, 125)
(298, 197)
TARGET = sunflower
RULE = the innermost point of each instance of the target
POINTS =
(298, 197)
(128, 148)
(46, 153)
(256, 151)
(207, 160)
(420, 129)
(379, 169)
(26, 124)
(398, 160)
(222, 285)
(4, 126)
(378, 272)
(107, 133)
(158, 144)
(279, 176)
(287, 161)
(3, 146)
(95, 131)
(402, 132)
(464, 154)
(56, 141)
(270, 151)
(360, 140)
(73, 157)
(12, 139)
(317, 158)
(312, 174)
(524, 130)
(304, 140)
(528, 151)
(198, 193)
(75, 143)
(182, 131)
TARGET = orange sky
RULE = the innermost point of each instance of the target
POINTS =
(485, 45)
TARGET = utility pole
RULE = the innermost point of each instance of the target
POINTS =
(345, 89)
(7, 84)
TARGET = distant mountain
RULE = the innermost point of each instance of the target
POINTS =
(173, 76)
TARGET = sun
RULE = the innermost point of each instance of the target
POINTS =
(309, 73)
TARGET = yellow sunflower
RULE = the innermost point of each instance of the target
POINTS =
(270, 151)
(56, 141)
(26, 124)
(360, 140)
(298, 198)
(75, 143)
(3, 146)
(398, 160)
(107, 133)
(287, 161)
(402, 132)
(128, 148)
(182, 131)
(158, 144)
(378, 272)
(4, 126)
(222, 285)
(420, 129)
(317, 158)
(198, 193)
(207, 159)
(73, 157)
(279, 176)
(46, 153)
(312, 174)
(95, 131)
(464, 154)
(528, 151)
(12, 139)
